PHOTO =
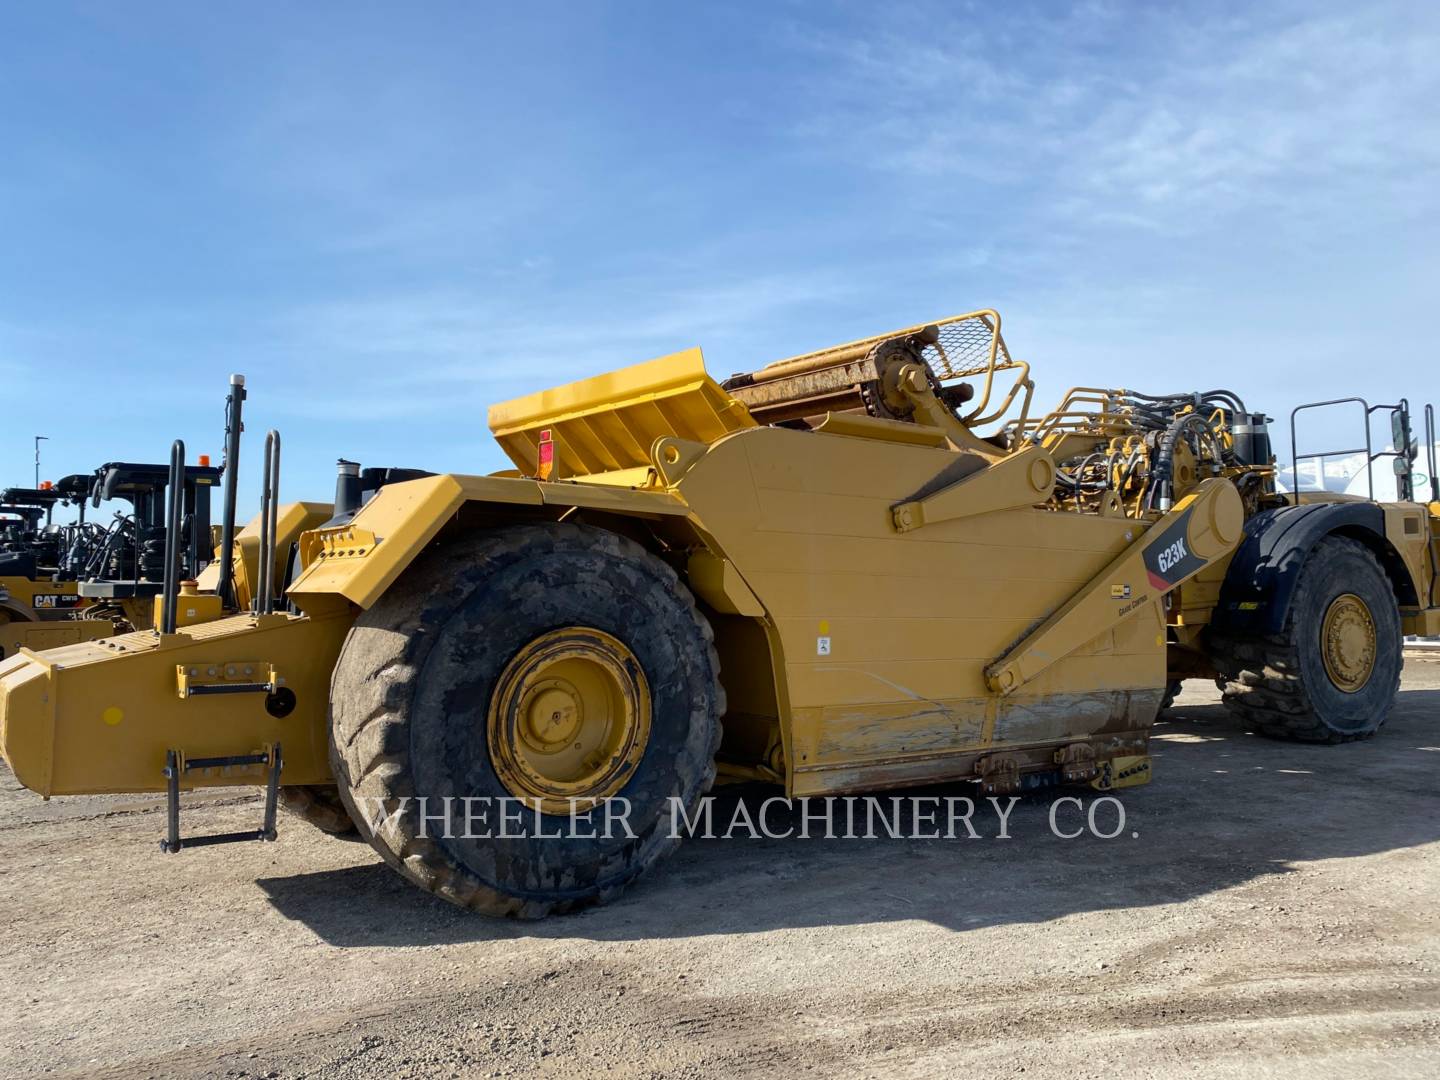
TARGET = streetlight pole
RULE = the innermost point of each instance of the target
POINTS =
(38, 440)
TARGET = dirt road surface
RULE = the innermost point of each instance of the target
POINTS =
(1269, 910)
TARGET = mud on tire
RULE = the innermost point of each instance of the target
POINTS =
(411, 692)
(1278, 685)
(321, 807)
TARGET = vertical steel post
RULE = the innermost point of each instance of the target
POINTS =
(269, 524)
(174, 521)
(171, 843)
(231, 467)
(272, 793)
(1405, 483)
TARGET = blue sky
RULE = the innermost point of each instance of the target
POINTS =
(390, 216)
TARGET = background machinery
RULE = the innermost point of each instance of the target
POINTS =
(862, 568)
(87, 579)
(40, 604)
(82, 580)
(124, 567)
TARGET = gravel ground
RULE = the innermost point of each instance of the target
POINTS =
(1269, 909)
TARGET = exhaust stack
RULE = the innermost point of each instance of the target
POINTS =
(347, 488)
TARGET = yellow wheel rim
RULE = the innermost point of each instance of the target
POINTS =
(569, 719)
(1347, 642)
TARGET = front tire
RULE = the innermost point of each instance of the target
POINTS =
(1332, 673)
(538, 662)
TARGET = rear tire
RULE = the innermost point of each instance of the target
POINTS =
(1297, 684)
(8, 618)
(411, 710)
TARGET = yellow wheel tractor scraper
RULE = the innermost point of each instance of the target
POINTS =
(863, 568)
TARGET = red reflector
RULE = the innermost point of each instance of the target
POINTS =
(547, 453)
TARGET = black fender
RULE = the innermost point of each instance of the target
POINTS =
(15, 611)
(1265, 569)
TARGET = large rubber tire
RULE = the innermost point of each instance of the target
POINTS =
(412, 688)
(321, 807)
(8, 618)
(1172, 691)
(1278, 684)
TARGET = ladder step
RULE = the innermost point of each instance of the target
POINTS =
(201, 689)
(222, 762)
(173, 841)
(210, 839)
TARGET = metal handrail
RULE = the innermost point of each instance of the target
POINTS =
(1404, 484)
(1430, 452)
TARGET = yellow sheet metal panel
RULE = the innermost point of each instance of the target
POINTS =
(1205, 525)
(606, 497)
(291, 520)
(1024, 478)
(717, 582)
(860, 426)
(1422, 623)
(360, 560)
(610, 421)
(27, 721)
(885, 636)
(192, 607)
(99, 717)
(15, 636)
(1407, 527)
(403, 518)
(845, 749)
(643, 476)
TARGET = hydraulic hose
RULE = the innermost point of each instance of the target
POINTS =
(1163, 474)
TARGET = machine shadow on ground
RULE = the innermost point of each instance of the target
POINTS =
(1225, 808)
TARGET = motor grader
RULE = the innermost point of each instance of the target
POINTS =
(867, 567)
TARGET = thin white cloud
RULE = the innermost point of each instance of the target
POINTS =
(1153, 120)
(423, 352)
(456, 327)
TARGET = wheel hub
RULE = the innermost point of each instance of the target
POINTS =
(569, 719)
(553, 711)
(1347, 642)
